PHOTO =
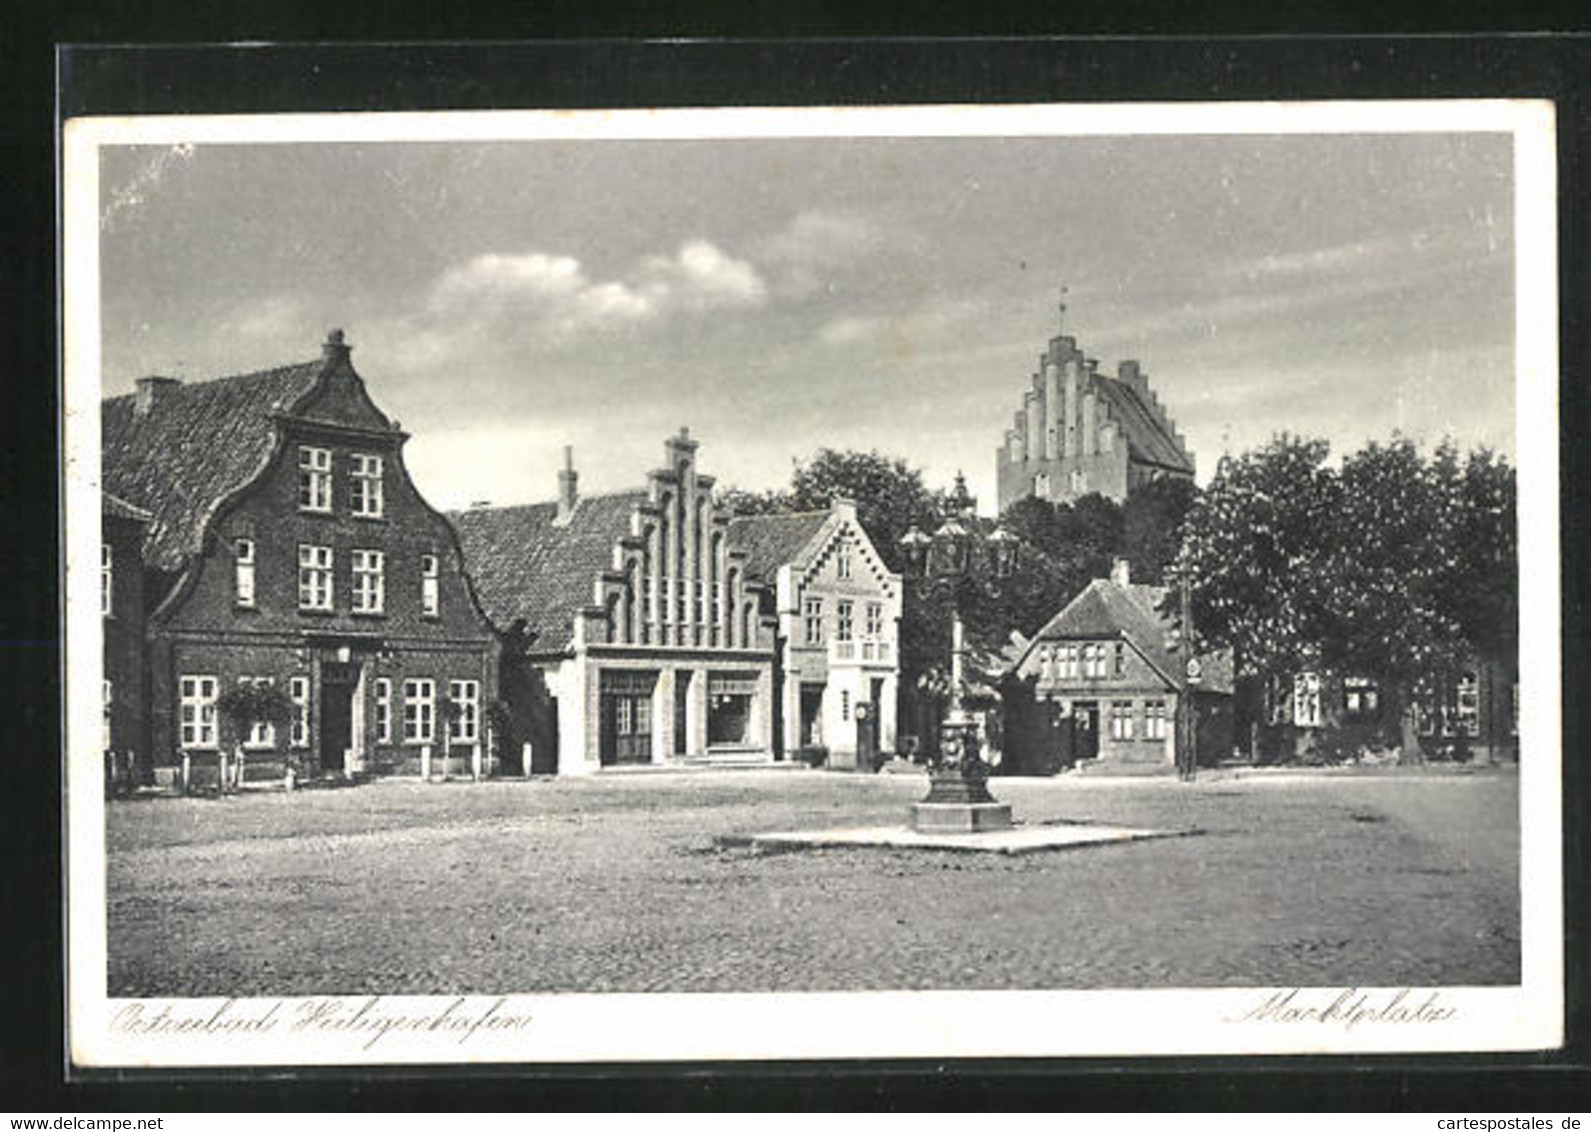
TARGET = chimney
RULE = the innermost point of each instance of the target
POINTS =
(567, 479)
(334, 349)
(1120, 573)
(150, 390)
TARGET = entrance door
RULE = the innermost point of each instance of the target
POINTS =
(812, 715)
(1085, 731)
(866, 736)
(337, 684)
(682, 706)
(624, 731)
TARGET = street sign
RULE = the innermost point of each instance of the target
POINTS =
(1195, 670)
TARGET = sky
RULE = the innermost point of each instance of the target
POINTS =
(781, 295)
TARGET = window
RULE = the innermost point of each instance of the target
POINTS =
(682, 593)
(365, 495)
(845, 705)
(466, 726)
(383, 710)
(1306, 700)
(107, 580)
(370, 586)
(1466, 718)
(1426, 713)
(842, 560)
(1041, 485)
(875, 619)
(298, 692)
(1069, 662)
(1359, 696)
(623, 715)
(105, 700)
(196, 711)
(812, 612)
(1155, 719)
(314, 479)
(419, 711)
(842, 625)
(1120, 661)
(260, 734)
(1121, 719)
(718, 605)
(243, 572)
(1094, 660)
(429, 603)
(314, 577)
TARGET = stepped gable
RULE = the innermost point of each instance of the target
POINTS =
(195, 444)
(1148, 439)
(528, 567)
(770, 541)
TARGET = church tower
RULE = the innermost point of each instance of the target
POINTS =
(1079, 431)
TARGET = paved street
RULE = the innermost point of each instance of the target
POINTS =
(618, 883)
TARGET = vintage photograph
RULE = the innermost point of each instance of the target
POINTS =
(637, 566)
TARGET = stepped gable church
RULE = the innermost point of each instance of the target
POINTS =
(267, 525)
(1081, 431)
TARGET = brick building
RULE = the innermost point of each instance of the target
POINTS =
(1099, 685)
(121, 606)
(1080, 431)
(838, 610)
(632, 632)
(286, 545)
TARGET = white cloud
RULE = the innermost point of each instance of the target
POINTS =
(818, 246)
(277, 317)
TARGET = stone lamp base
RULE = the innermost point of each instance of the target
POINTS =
(958, 805)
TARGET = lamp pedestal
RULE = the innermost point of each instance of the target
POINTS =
(958, 798)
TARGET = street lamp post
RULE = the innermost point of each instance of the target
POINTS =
(958, 799)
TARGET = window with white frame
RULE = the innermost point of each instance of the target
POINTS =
(842, 560)
(383, 710)
(314, 577)
(718, 604)
(1094, 661)
(1466, 718)
(812, 614)
(683, 600)
(701, 599)
(1306, 700)
(430, 600)
(314, 479)
(1120, 661)
(419, 711)
(1069, 662)
(1121, 719)
(260, 734)
(1155, 719)
(243, 572)
(1360, 696)
(365, 497)
(843, 620)
(196, 696)
(106, 699)
(370, 585)
(466, 725)
(298, 692)
(875, 619)
(107, 580)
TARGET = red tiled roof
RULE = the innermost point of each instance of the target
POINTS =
(526, 567)
(198, 443)
(770, 541)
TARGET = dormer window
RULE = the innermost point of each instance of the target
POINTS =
(314, 479)
(365, 498)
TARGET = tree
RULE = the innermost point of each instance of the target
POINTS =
(890, 495)
(1255, 547)
(245, 706)
(1152, 520)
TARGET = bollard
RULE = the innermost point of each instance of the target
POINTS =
(187, 772)
(475, 762)
(425, 763)
(525, 754)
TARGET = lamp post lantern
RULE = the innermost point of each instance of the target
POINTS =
(958, 799)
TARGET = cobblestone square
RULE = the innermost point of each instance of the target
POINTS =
(620, 883)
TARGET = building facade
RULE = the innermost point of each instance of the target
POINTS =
(1103, 681)
(288, 546)
(1080, 431)
(633, 634)
(123, 689)
(838, 610)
